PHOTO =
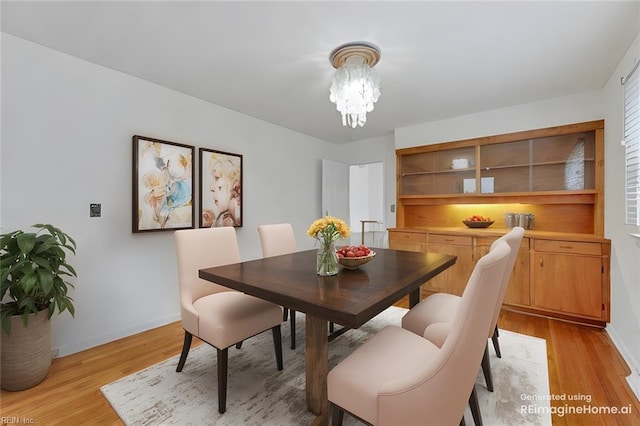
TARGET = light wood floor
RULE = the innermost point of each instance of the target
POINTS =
(582, 361)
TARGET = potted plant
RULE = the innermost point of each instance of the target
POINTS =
(33, 276)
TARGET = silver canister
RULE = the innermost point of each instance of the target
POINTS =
(510, 220)
(525, 220)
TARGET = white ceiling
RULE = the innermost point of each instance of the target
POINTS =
(270, 59)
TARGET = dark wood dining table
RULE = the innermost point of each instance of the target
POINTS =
(350, 298)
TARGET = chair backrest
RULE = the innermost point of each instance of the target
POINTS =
(443, 385)
(514, 239)
(277, 239)
(197, 249)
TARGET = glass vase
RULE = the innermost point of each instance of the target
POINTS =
(327, 263)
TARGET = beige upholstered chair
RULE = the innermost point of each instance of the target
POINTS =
(432, 317)
(400, 378)
(278, 239)
(215, 314)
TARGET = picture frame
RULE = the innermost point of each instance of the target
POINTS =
(163, 182)
(220, 182)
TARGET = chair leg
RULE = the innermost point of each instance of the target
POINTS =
(277, 343)
(285, 313)
(337, 415)
(486, 368)
(496, 344)
(223, 360)
(331, 327)
(185, 350)
(475, 407)
(292, 325)
(239, 344)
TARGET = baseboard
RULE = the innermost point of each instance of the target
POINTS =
(634, 365)
(634, 383)
(110, 337)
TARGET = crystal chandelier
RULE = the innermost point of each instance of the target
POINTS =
(356, 86)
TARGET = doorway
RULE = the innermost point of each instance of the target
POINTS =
(355, 193)
(366, 204)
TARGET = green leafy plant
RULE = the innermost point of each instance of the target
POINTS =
(33, 272)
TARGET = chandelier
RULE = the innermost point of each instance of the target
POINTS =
(356, 86)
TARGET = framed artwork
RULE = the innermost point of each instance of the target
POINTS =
(163, 181)
(220, 189)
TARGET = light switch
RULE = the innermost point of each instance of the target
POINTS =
(95, 210)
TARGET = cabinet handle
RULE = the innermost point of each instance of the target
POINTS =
(566, 247)
(541, 262)
(449, 240)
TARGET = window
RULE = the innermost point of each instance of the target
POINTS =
(632, 146)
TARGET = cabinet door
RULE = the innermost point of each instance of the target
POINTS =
(518, 290)
(507, 165)
(563, 162)
(437, 172)
(555, 163)
(568, 283)
(454, 279)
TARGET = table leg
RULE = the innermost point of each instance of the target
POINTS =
(414, 298)
(317, 357)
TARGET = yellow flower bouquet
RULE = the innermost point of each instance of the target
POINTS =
(327, 230)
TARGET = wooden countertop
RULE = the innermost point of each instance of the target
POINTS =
(497, 232)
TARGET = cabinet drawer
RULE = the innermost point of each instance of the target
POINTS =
(417, 237)
(450, 239)
(568, 247)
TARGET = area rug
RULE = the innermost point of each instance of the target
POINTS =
(258, 394)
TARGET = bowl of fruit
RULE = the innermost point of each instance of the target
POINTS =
(352, 257)
(478, 221)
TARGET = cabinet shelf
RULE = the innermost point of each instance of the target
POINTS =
(542, 163)
(435, 172)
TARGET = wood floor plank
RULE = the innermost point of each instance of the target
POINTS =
(582, 360)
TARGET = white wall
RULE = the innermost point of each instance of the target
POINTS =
(625, 250)
(66, 142)
(581, 107)
(602, 104)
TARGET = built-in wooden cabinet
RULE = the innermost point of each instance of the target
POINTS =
(564, 276)
(556, 173)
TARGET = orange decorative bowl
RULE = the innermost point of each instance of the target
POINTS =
(478, 224)
(356, 262)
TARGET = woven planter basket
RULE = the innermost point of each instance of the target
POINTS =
(26, 352)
